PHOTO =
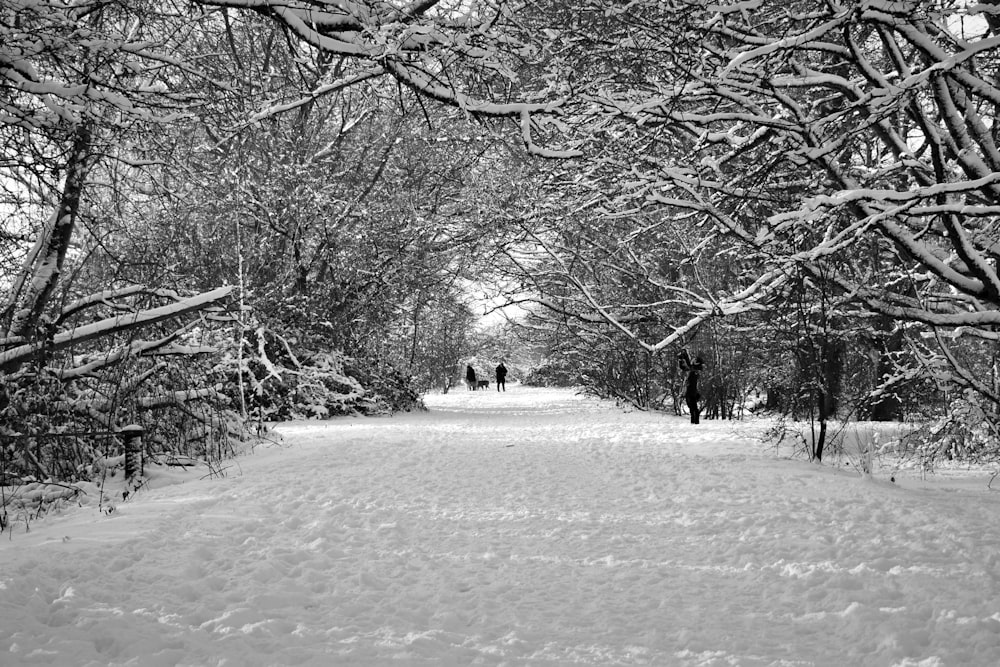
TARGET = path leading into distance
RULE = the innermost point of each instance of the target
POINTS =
(534, 527)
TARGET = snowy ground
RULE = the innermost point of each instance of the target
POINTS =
(529, 528)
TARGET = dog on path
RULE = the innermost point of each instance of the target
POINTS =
(483, 384)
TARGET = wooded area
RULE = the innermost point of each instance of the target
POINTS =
(217, 212)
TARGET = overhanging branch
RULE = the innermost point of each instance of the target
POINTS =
(10, 359)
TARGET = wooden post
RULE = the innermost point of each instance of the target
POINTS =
(131, 436)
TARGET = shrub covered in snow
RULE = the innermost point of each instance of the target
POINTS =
(969, 431)
(387, 388)
(283, 380)
(57, 428)
(61, 431)
(554, 373)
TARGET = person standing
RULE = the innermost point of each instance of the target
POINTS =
(691, 394)
(501, 372)
(470, 378)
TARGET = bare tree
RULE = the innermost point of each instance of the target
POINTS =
(460, 54)
(849, 143)
(72, 107)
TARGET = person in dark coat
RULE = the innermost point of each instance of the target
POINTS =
(691, 394)
(501, 372)
(470, 378)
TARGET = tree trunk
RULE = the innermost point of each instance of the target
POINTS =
(42, 274)
(887, 407)
(774, 398)
(822, 404)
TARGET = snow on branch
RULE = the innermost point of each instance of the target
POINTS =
(153, 402)
(416, 49)
(744, 301)
(423, 83)
(929, 192)
(107, 297)
(112, 325)
(311, 96)
(790, 42)
(534, 149)
(160, 347)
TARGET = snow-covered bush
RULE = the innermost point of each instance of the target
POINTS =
(387, 388)
(37, 429)
(554, 373)
(863, 444)
(59, 429)
(969, 431)
(23, 503)
(284, 381)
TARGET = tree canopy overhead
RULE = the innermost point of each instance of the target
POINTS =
(331, 169)
(462, 54)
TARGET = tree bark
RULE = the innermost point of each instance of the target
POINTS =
(42, 274)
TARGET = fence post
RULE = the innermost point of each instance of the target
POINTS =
(131, 436)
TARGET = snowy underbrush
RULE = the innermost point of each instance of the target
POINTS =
(964, 439)
(968, 432)
(59, 421)
(285, 381)
(553, 373)
(26, 501)
(56, 426)
(22, 504)
(62, 437)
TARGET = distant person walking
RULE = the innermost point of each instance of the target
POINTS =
(470, 378)
(501, 372)
(691, 394)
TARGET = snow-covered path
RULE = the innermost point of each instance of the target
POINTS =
(532, 528)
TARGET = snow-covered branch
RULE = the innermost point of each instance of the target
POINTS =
(421, 50)
(150, 402)
(113, 325)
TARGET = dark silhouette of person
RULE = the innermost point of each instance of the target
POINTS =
(470, 378)
(501, 372)
(691, 394)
